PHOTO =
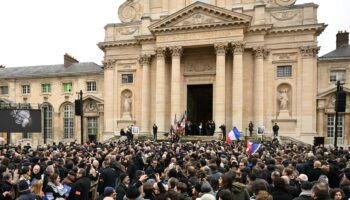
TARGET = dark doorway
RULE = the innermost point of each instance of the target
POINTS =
(199, 103)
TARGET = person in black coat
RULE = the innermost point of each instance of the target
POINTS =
(6, 188)
(124, 185)
(155, 130)
(24, 192)
(275, 129)
(316, 172)
(223, 129)
(108, 176)
(280, 191)
(305, 194)
(81, 187)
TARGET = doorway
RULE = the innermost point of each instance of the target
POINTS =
(199, 103)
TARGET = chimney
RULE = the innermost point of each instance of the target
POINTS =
(69, 60)
(342, 38)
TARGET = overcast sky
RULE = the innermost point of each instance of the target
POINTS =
(39, 32)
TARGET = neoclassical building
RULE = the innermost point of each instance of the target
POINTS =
(53, 89)
(332, 67)
(231, 61)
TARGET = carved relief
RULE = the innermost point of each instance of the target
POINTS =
(309, 51)
(285, 2)
(126, 101)
(198, 19)
(238, 47)
(145, 59)
(220, 48)
(204, 79)
(261, 52)
(109, 64)
(280, 2)
(331, 101)
(285, 15)
(130, 11)
(160, 52)
(199, 64)
(176, 51)
(128, 30)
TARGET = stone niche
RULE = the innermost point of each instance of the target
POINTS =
(284, 101)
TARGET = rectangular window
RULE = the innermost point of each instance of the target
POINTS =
(127, 78)
(284, 71)
(4, 90)
(92, 125)
(91, 86)
(67, 87)
(331, 125)
(46, 88)
(338, 75)
(25, 89)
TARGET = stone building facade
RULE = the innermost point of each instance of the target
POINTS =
(252, 60)
(53, 89)
(231, 61)
(332, 67)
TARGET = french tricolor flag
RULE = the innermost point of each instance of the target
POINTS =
(252, 147)
(234, 134)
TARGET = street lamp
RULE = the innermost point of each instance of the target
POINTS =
(340, 106)
(79, 111)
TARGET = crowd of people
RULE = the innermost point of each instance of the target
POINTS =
(137, 170)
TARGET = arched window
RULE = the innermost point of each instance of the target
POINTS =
(68, 121)
(47, 120)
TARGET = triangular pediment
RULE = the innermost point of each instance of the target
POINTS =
(200, 15)
(330, 92)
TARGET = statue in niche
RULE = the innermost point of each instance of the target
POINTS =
(283, 98)
(127, 103)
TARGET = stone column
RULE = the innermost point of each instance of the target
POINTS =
(258, 95)
(109, 96)
(176, 53)
(160, 90)
(309, 84)
(237, 86)
(145, 62)
(220, 81)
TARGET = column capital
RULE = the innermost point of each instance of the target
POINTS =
(309, 51)
(261, 52)
(145, 59)
(176, 51)
(160, 52)
(220, 48)
(109, 64)
(238, 47)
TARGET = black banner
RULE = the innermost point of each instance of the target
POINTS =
(20, 120)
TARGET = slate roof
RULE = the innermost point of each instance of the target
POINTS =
(342, 52)
(76, 69)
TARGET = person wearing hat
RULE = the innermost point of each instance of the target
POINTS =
(24, 192)
(108, 192)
